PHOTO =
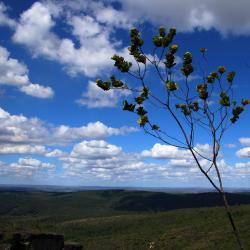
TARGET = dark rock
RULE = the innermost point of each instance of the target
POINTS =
(1, 236)
(41, 242)
(17, 242)
(72, 246)
(46, 241)
(5, 246)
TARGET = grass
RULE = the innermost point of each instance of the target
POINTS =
(98, 226)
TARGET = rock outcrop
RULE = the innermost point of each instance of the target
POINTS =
(40, 242)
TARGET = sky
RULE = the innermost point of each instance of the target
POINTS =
(58, 128)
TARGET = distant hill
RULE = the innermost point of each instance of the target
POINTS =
(105, 202)
(54, 188)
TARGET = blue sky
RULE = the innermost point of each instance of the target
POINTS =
(57, 127)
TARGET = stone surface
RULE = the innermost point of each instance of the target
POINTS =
(46, 241)
(72, 246)
(40, 242)
(17, 242)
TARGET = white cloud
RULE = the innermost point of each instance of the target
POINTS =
(25, 149)
(22, 130)
(37, 90)
(33, 30)
(92, 57)
(160, 151)
(245, 141)
(5, 20)
(244, 152)
(180, 158)
(34, 163)
(12, 72)
(191, 14)
(96, 130)
(56, 153)
(113, 17)
(95, 97)
(22, 149)
(99, 160)
(181, 163)
(85, 27)
(243, 165)
(26, 167)
(95, 150)
(15, 73)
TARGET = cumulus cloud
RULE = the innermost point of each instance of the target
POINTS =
(92, 32)
(37, 90)
(15, 73)
(245, 141)
(99, 160)
(243, 153)
(97, 149)
(5, 20)
(160, 151)
(181, 163)
(192, 14)
(26, 167)
(33, 30)
(22, 149)
(95, 97)
(90, 43)
(243, 165)
(113, 17)
(33, 163)
(12, 71)
(56, 153)
(18, 129)
(94, 160)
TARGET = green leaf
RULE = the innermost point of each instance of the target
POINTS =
(221, 69)
(230, 76)
(236, 113)
(170, 60)
(141, 111)
(171, 85)
(225, 99)
(173, 49)
(128, 107)
(143, 120)
(155, 127)
(103, 85)
(194, 106)
(115, 82)
(244, 102)
(139, 100)
(187, 58)
(157, 40)
(121, 64)
(162, 31)
(145, 92)
(187, 70)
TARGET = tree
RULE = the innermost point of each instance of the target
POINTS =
(208, 107)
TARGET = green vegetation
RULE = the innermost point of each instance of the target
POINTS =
(127, 219)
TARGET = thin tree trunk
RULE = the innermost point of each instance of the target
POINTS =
(231, 219)
(227, 207)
